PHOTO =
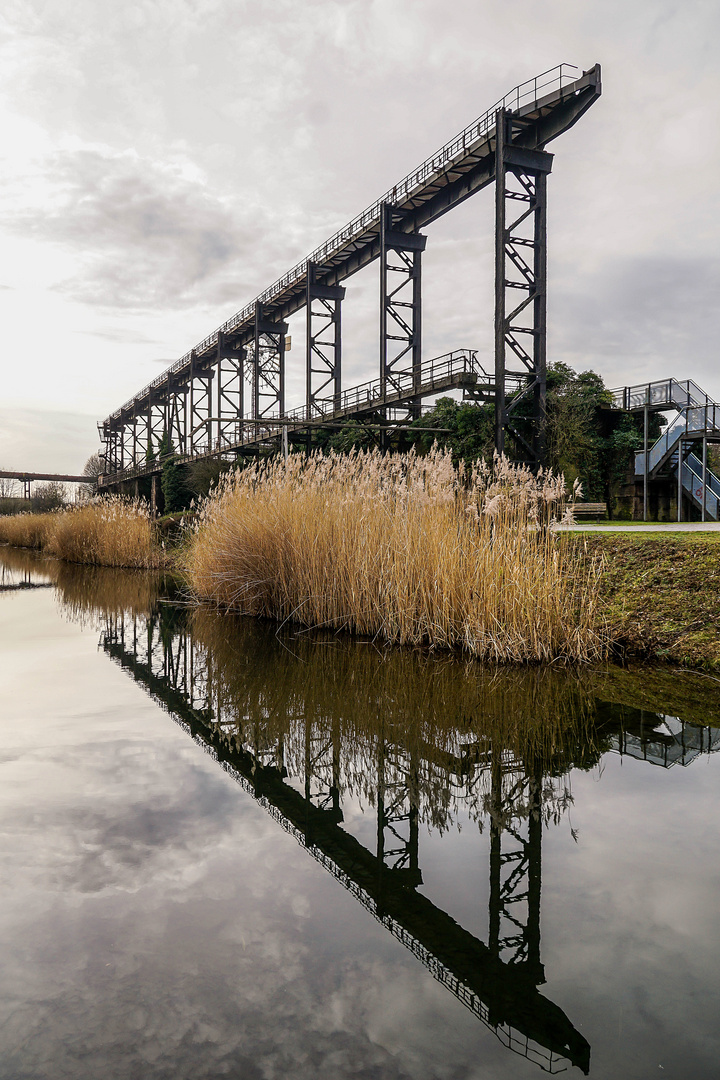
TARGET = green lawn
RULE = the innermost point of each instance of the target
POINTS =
(660, 593)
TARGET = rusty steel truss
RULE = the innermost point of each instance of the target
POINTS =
(229, 391)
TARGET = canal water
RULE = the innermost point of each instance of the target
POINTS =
(230, 850)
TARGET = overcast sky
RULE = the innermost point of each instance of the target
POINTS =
(163, 161)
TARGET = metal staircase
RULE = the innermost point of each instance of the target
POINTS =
(697, 418)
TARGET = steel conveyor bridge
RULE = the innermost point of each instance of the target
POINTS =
(229, 391)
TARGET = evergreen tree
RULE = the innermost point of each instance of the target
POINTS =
(172, 481)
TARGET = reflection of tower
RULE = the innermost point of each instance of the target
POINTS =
(516, 867)
(397, 813)
(322, 773)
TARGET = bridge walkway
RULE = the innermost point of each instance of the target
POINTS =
(459, 369)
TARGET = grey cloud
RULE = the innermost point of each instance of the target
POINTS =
(148, 236)
(41, 440)
(121, 335)
(659, 311)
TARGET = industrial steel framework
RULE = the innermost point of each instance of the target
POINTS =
(228, 393)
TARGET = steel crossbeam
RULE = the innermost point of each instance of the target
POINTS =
(323, 345)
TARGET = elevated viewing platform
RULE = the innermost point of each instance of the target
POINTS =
(697, 418)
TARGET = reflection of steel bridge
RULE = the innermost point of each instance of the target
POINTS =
(666, 741)
(697, 420)
(498, 981)
(228, 392)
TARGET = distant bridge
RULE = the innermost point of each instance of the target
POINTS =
(228, 393)
(27, 478)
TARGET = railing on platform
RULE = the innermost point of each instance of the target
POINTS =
(696, 420)
(441, 372)
(665, 392)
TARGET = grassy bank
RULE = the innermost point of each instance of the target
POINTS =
(403, 549)
(659, 593)
(111, 532)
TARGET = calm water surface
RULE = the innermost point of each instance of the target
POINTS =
(228, 852)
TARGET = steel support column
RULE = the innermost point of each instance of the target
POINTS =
(268, 366)
(176, 420)
(156, 424)
(679, 479)
(520, 290)
(645, 461)
(230, 391)
(323, 345)
(199, 417)
(400, 300)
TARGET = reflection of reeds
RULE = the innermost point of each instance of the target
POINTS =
(35, 566)
(89, 593)
(107, 532)
(401, 548)
(445, 717)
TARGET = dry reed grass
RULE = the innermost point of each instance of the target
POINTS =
(405, 549)
(27, 530)
(105, 532)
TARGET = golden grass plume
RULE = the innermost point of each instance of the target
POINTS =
(404, 548)
(105, 532)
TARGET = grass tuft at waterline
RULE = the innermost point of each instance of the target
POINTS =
(404, 549)
(106, 532)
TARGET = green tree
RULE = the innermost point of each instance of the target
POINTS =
(175, 492)
(466, 429)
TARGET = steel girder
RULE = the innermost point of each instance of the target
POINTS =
(199, 411)
(541, 110)
(230, 391)
(520, 287)
(323, 342)
(268, 366)
(400, 299)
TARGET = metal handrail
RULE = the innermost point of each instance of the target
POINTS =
(437, 370)
(690, 480)
(670, 392)
(694, 463)
(690, 419)
(520, 95)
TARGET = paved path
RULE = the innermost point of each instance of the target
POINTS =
(653, 527)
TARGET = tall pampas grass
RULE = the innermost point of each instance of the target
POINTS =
(106, 532)
(404, 549)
